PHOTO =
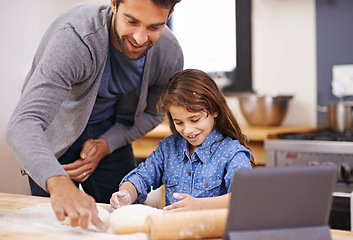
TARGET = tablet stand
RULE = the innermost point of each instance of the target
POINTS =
(305, 233)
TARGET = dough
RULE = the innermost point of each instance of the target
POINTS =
(131, 215)
(103, 215)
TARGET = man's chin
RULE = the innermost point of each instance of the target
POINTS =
(134, 56)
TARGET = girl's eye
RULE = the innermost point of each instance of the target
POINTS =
(177, 123)
(195, 120)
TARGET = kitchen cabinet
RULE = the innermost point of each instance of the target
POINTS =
(13, 202)
(144, 146)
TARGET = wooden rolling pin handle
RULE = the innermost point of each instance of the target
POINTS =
(132, 229)
(188, 225)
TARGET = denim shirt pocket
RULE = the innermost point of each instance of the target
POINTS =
(208, 186)
(170, 181)
(171, 184)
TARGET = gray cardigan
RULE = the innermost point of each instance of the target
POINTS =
(62, 85)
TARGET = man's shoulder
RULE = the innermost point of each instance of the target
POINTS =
(168, 35)
(165, 57)
(168, 42)
(87, 8)
(85, 18)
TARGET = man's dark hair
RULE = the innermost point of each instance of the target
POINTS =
(163, 3)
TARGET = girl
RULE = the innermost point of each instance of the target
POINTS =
(197, 163)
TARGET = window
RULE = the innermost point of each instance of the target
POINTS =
(216, 37)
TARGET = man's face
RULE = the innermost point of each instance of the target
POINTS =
(136, 26)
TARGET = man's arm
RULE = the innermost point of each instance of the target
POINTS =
(43, 122)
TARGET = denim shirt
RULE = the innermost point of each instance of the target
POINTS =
(208, 172)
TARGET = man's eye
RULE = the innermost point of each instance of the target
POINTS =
(153, 28)
(131, 21)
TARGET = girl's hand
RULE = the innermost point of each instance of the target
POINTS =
(187, 203)
(120, 199)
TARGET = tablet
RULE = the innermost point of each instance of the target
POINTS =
(277, 199)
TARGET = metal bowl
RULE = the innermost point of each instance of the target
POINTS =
(263, 110)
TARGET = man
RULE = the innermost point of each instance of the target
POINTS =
(92, 89)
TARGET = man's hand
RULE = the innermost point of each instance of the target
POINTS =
(68, 200)
(93, 150)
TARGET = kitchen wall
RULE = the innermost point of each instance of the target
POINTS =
(284, 54)
(334, 20)
(283, 61)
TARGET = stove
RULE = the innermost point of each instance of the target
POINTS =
(317, 148)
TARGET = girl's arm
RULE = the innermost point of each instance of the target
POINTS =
(188, 203)
(126, 195)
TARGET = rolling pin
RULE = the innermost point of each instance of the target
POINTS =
(182, 225)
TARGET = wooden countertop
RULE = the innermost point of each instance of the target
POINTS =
(254, 133)
(12, 202)
(259, 133)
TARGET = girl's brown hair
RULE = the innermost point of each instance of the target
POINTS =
(197, 91)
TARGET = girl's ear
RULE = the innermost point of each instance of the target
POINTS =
(215, 115)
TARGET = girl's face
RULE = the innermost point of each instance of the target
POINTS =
(195, 127)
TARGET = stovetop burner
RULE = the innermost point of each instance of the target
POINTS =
(322, 135)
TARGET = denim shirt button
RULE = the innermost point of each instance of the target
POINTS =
(206, 185)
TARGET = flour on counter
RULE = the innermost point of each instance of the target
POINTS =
(40, 219)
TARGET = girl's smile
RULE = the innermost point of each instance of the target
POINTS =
(192, 138)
